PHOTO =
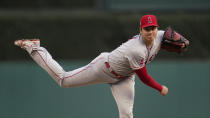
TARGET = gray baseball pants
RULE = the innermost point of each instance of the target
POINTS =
(93, 73)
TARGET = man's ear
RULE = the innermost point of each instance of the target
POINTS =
(140, 29)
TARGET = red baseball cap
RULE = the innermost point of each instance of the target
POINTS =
(148, 20)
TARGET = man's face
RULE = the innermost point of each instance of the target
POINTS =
(149, 33)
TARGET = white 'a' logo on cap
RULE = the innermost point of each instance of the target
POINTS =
(149, 20)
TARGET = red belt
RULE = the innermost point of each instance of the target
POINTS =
(114, 73)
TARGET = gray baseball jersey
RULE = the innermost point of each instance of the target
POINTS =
(133, 54)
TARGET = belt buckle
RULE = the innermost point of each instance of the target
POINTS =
(118, 76)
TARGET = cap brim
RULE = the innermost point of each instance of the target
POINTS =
(148, 25)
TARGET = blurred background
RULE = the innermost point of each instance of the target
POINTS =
(76, 31)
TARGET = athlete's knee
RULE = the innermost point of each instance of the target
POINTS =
(63, 84)
(60, 81)
(126, 113)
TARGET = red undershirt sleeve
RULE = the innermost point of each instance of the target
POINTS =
(147, 79)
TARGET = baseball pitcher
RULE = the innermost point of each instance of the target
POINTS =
(116, 68)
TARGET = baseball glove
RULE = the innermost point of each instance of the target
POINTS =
(173, 41)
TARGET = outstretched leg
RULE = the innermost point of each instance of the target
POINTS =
(123, 92)
(89, 74)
